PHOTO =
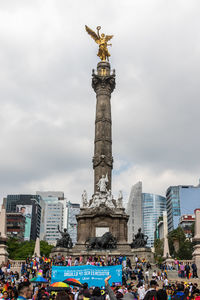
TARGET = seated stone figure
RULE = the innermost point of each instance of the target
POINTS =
(65, 241)
(140, 240)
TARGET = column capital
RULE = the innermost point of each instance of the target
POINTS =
(103, 84)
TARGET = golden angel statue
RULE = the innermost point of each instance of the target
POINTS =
(101, 40)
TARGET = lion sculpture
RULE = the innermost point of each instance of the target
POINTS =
(106, 241)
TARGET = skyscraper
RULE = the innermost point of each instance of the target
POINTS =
(173, 207)
(134, 210)
(54, 214)
(181, 199)
(152, 208)
(143, 210)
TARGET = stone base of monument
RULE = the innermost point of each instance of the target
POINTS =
(168, 260)
(143, 253)
(60, 251)
(3, 251)
(122, 249)
(196, 256)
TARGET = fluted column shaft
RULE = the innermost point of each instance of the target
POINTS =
(103, 84)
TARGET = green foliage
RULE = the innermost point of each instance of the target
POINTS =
(158, 245)
(185, 246)
(22, 250)
(185, 251)
(192, 228)
(45, 248)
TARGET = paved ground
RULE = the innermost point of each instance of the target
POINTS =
(173, 277)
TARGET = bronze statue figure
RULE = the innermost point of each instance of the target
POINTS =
(106, 241)
(101, 40)
(65, 241)
(140, 240)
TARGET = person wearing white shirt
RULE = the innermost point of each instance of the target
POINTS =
(141, 292)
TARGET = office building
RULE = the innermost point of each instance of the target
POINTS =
(134, 210)
(181, 200)
(143, 210)
(16, 225)
(152, 208)
(29, 207)
(73, 209)
(54, 215)
(159, 229)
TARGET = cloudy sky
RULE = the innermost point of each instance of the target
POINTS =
(48, 106)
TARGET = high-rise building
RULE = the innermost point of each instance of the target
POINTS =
(173, 207)
(159, 229)
(134, 210)
(29, 207)
(73, 209)
(143, 210)
(54, 214)
(152, 208)
(181, 199)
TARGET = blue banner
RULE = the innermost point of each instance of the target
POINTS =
(93, 275)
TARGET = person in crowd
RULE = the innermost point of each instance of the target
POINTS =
(194, 270)
(5, 296)
(24, 291)
(62, 295)
(187, 270)
(141, 291)
(162, 294)
(182, 269)
(152, 291)
(179, 293)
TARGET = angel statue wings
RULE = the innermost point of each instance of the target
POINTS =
(101, 40)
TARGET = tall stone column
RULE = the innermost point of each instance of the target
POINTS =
(166, 253)
(3, 236)
(196, 239)
(103, 83)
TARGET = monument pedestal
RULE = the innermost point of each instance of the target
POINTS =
(3, 251)
(196, 255)
(61, 251)
(99, 220)
(196, 239)
(143, 253)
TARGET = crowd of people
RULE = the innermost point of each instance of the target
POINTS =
(139, 281)
(185, 270)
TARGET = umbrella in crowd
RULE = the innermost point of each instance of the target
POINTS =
(73, 281)
(58, 286)
(39, 279)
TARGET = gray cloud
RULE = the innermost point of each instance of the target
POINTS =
(48, 106)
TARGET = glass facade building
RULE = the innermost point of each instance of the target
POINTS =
(152, 208)
(134, 210)
(181, 200)
(173, 207)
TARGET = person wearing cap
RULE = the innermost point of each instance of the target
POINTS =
(152, 292)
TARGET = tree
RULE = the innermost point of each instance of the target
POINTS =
(22, 250)
(177, 238)
(158, 246)
(45, 248)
